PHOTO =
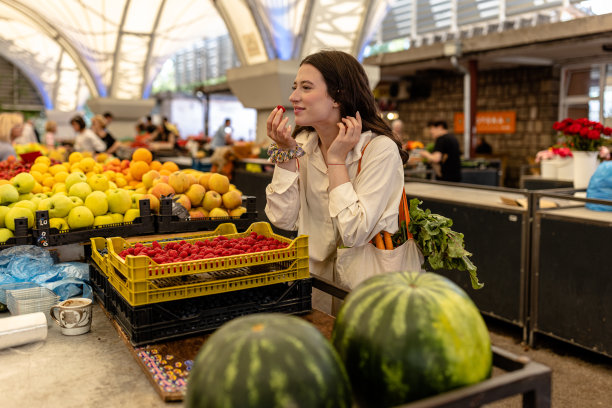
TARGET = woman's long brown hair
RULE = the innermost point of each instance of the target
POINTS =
(348, 85)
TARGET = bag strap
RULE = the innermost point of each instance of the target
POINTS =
(404, 210)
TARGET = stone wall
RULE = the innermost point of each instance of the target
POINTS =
(533, 92)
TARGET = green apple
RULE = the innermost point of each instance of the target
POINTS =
(74, 178)
(103, 220)
(97, 203)
(59, 223)
(59, 188)
(3, 211)
(98, 182)
(117, 218)
(27, 204)
(81, 190)
(25, 196)
(23, 182)
(119, 200)
(18, 212)
(76, 201)
(8, 194)
(59, 206)
(80, 217)
(37, 198)
(44, 204)
(136, 200)
(131, 215)
(5, 234)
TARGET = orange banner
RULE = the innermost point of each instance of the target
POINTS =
(489, 122)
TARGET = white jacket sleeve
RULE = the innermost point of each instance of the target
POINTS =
(370, 203)
(97, 143)
(283, 199)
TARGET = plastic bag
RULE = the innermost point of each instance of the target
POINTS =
(357, 264)
(68, 288)
(600, 186)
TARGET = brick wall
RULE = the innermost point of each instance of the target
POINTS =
(532, 92)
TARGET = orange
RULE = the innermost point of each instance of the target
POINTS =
(155, 165)
(170, 166)
(164, 172)
(142, 154)
(138, 169)
(75, 157)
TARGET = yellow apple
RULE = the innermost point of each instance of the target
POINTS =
(74, 178)
(161, 189)
(237, 212)
(212, 199)
(117, 218)
(23, 182)
(76, 201)
(136, 200)
(119, 201)
(59, 188)
(103, 220)
(59, 223)
(98, 182)
(81, 190)
(196, 214)
(59, 206)
(195, 193)
(203, 180)
(179, 181)
(26, 196)
(3, 211)
(18, 212)
(97, 203)
(131, 215)
(218, 182)
(232, 199)
(218, 213)
(149, 177)
(27, 204)
(8, 194)
(5, 234)
(153, 202)
(80, 217)
(183, 200)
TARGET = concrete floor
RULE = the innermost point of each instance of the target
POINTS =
(97, 370)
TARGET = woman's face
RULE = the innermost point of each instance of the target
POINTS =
(312, 105)
(75, 126)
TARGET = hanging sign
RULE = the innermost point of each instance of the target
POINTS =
(489, 122)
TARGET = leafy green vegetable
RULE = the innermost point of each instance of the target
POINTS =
(441, 246)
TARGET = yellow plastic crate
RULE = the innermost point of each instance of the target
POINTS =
(142, 268)
(99, 244)
(142, 293)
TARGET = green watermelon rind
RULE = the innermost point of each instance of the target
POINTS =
(385, 336)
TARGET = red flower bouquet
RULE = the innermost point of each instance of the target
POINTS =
(583, 134)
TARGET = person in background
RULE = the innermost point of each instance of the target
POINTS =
(482, 147)
(6, 147)
(166, 137)
(27, 134)
(397, 126)
(108, 116)
(446, 156)
(223, 135)
(50, 130)
(325, 196)
(150, 127)
(98, 126)
(85, 139)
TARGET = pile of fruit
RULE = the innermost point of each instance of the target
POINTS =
(11, 167)
(90, 191)
(212, 248)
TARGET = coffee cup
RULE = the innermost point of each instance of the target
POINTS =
(73, 315)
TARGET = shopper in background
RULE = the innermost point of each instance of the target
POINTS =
(397, 126)
(6, 147)
(50, 130)
(482, 147)
(165, 137)
(446, 156)
(98, 126)
(315, 187)
(27, 134)
(85, 140)
(223, 135)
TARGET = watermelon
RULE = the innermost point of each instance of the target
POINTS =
(407, 335)
(267, 360)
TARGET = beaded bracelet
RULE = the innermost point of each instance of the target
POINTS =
(278, 155)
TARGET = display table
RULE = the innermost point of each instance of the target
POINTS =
(497, 235)
(571, 296)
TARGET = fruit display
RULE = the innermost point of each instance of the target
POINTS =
(405, 336)
(87, 191)
(217, 247)
(267, 360)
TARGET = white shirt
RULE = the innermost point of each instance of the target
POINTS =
(27, 135)
(351, 213)
(87, 141)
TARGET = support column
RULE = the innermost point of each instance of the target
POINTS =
(473, 67)
(126, 114)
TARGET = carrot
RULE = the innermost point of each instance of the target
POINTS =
(378, 241)
(388, 241)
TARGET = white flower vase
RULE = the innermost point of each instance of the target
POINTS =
(565, 169)
(548, 169)
(585, 164)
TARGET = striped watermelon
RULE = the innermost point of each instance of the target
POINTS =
(408, 335)
(267, 360)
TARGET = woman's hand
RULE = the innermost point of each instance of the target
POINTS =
(279, 131)
(348, 136)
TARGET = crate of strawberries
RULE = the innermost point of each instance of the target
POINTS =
(161, 271)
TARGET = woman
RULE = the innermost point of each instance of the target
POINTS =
(98, 126)
(50, 130)
(316, 187)
(86, 140)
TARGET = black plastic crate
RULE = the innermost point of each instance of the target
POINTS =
(101, 287)
(21, 235)
(166, 222)
(45, 236)
(170, 320)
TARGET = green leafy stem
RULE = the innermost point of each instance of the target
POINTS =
(440, 245)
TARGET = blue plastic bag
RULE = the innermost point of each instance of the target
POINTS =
(600, 187)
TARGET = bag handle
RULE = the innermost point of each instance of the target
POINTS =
(404, 210)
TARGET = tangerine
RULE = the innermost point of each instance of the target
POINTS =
(138, 169)
(142, 154)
